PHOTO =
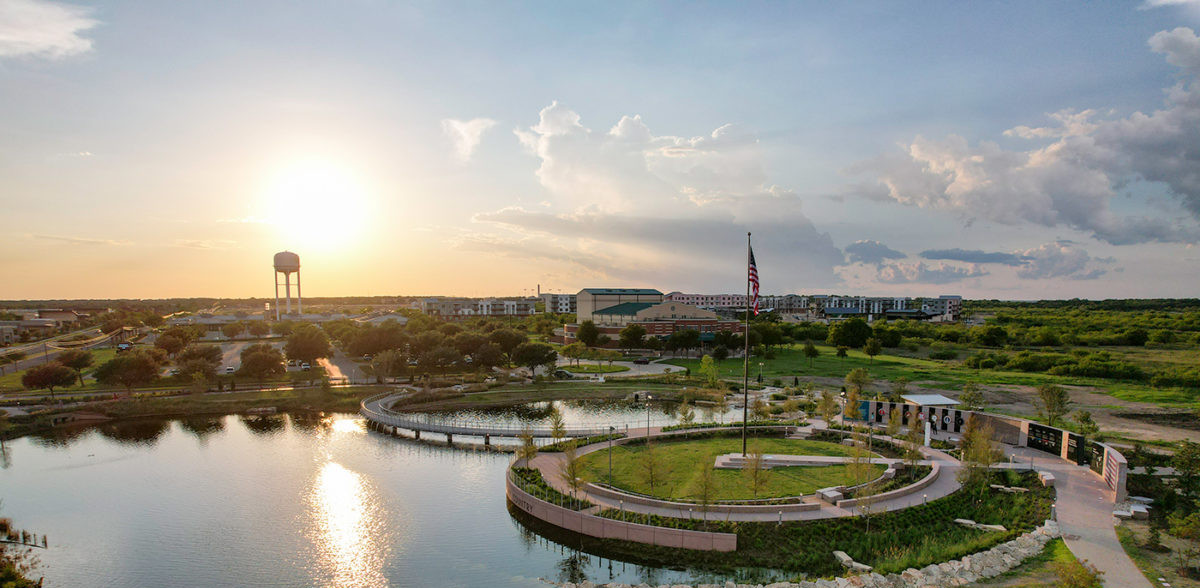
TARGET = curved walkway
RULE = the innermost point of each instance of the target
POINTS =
(947, 483)
(377, 410)
(1084, 510)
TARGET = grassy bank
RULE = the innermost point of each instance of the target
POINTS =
(513, 394)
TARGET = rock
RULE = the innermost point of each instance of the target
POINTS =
(1123, 514)
(1141, 500)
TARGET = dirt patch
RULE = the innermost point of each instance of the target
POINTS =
(1178, 419)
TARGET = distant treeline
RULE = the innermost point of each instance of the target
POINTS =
(1117, 304)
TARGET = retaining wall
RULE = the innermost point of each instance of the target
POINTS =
(905, 491)
(600, 527)
(683, 507)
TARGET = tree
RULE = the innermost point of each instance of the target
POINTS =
(872, 348)
(528, 449)
(849, 333)
(558, 425)
(533, 354)
(573, 351)
(827, 406)
(708, 370)
(1188, 529)
(1053, 401)
(197, 367)
(686, 415)
(971, 397)
(261, 361)
(651, 468)
(857, 380)
(631, 336)
(754, 469)
(895, 422)
(1186, 462)
(258, 328)
(170, 344)
(1087, 426)
(571, 468)
(389, 363)
(720, 353)
(48, 376)
(231, 330)
(588, 334)
(76, 359)
(439, 358)
(859, 469)
(705, 490)
(488, 356)
(915, 436)
(128, 370)
(508, 340)
(686, 339)
(811, 352)
(977, 450)
(842, 351)
(307, 343)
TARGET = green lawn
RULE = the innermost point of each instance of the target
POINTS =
(789, 362)
(11, 381)
(595, 368)
(683, 461)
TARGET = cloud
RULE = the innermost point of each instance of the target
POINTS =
(919, 272)
(867, 251)
(80, 240)
(466, 134)
(659, 208)
(1148, 4)
(974, 256)
(1060, 259)
(39, 28)
(204, 243)
(1072, 179)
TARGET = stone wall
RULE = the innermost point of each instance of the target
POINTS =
(959, 572)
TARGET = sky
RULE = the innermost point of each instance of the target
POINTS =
(1016, 150)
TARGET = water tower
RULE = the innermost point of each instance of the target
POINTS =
(287, 263)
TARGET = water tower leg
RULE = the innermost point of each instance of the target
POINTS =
(276, 296)
(299, 298)
(287, 285)
(487, 439)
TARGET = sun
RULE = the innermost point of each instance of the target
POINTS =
(316, 205)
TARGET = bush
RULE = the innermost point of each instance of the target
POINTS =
(944, 354)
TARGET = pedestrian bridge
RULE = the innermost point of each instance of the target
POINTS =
(377, 410)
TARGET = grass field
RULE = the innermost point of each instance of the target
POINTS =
(790, 362)
(595, 368)
(12, 381)
(683, 461)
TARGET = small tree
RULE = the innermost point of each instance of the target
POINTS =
(1087, 426)
(872, 348)
(842, 351)
(1187, 467)
(895, 422)
(558, 425)
(899, 389)
(570, 468)
(857, 381)
(859, 469)
(708, 370)
(1053, 402)
(231, 330)
(686, 415)
(828, 407)
(977, 450)
(651, 467)
(170, 343)
(853, 402)
(971, 397)
(259, 328)
(705, 490)
(811, 352)
(1188, 529)
(588, 334)
(533, 355)
(915, 438)
(48, 376)
(528, 449)
(754, 469)
(720, 353)
(76, 359)
(631, 336)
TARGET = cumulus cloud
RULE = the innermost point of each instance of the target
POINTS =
(974, 256)
(466, 134)
(920, 272)
(1071, 180)
(1060, 259)
(867, 251)
(39, 28)
(669, 208)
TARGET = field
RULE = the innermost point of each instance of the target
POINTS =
(683, 460)
(595, 368)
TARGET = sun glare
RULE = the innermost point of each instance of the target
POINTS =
(316, 206)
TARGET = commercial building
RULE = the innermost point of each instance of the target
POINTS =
(461, 308)
(37, 327)
(831, 307)
(559, 303)
(589, 300)
(8, 335)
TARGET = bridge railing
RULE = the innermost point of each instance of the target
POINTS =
(372, 409)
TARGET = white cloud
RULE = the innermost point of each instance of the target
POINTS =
(80, 240)
(1147, 4)
(920, 272)
(39, 28)
(466, 134)
(868, 251)
(662, 208)
(1072, 180)
(1060, 259)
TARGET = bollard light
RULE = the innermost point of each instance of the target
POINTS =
(924, 499)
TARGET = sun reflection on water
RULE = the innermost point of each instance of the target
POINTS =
(349, 538)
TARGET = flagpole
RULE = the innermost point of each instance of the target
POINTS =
(746, 354)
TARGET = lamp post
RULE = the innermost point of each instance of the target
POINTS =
(648, 397)
(611, 431)
(760, 364)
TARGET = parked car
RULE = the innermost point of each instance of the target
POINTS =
(641, 361)
(305, 367)
(230, 369)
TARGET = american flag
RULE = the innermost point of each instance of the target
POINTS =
(754, 281)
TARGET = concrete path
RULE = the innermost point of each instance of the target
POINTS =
(1084, 507)
(550, 465)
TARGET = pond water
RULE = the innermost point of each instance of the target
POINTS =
(279, 501)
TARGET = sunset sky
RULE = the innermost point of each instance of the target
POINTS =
(1012, 150)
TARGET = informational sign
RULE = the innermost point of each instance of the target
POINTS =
(1096, 460)
(1045, 438)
